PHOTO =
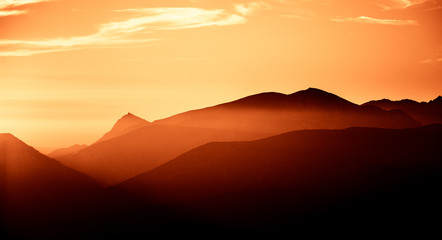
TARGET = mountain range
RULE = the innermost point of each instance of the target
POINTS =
(134, 145)
(283, 163)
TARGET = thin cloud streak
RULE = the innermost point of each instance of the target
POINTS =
(128, 31)
(247, 9)
(6, 4)
(176, 18)
(400, 4)
(16, 3)
(363, 19)
(4, 13)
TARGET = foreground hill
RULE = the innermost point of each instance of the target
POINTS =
(425, 112)
(123, 156)
(37, 192)
(335, 178)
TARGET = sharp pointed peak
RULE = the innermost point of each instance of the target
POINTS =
(131, 116)
(437, 100)
(125, 124)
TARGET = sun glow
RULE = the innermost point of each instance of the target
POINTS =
(70, 63)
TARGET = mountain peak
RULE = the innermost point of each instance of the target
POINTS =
(314, 97)
(129, 115)
(8, 138)
(128, 121)
(437, 100)
(125, 124)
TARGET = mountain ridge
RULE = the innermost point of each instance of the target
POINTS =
(425, 112)
(256, 116)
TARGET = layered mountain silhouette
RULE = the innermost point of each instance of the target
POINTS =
(134, 145)
(353, 177)
(285, 163)
(37, 191)
(120, 158)
(424, 112)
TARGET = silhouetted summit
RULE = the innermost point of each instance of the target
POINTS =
(305, 99)
(277, 113)
(437, 100)
(126, 124)
(314, 97)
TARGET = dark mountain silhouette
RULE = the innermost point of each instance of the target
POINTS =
(355, 177)
(66, 151)
(126, 124)
(276, 113)
(37, 191)
(424, 112)
(253, 117)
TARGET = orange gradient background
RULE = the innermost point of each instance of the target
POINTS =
(70, 68)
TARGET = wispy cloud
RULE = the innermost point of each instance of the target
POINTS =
(4, 13)
(250, 8)
(400, 4)
(15, 3)
(132, 30)
(24, 52)
(175, 18)
(5, 6)
(363, 19)
(432, 61)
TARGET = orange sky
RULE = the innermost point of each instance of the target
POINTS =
(70, 68)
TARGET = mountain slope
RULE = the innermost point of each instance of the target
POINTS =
(425, 112)
(126, 124)
(356, 174)
(38, 191)
(275, 113)
(118, 159)
(66, 151)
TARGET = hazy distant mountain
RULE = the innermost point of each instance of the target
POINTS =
(276, 113)
(36, 190)
(257, 116)
(424, 112)
(126, 124)
(357, 175)
(120, 158)
(66, 151)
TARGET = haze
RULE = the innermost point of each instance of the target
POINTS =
(70, 68)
